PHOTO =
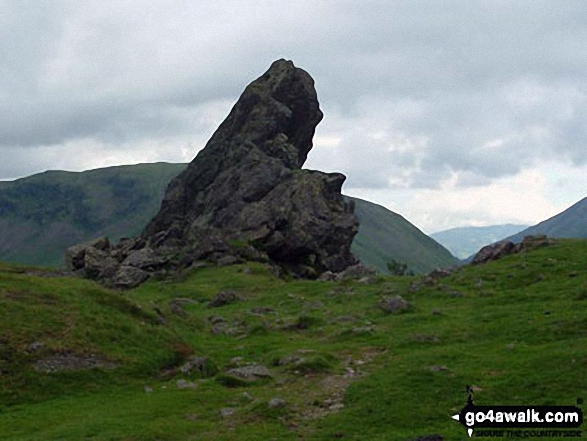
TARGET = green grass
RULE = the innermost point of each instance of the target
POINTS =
(516, 330)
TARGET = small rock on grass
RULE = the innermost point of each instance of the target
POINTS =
(250, 373)
(276, 402)
(237, 361)
(184, 384)
(438, 368)
(215, 319)
(225, 297)
(227, 412)
(35, 346)
(394, 304)
(200, 365)
(177, 306)
(368, 280)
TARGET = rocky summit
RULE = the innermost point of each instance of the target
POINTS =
(243, 197)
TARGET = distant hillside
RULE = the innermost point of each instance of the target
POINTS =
(464, 241)
(571, 223)
(385, 236)
(43, 214)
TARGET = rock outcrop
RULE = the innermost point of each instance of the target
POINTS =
(244, 196)
(504, 248)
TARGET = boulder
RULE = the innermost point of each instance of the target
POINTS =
(493, 252)
(357, 272)
(99, 264)
(327, 276)
(224, 297)
(500, 249)
(394, 304)
(245, 195)
(129, 277)
(201, 366)
(76, 254)
(145, 259)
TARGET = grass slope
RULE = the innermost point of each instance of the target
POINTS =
(385, 236)
(516, 329)
(40, 216)
(464, 241)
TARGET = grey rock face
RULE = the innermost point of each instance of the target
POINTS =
(246, 185)
(245, 195)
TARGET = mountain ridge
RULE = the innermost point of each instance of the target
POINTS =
(569, 223)
(99, 189)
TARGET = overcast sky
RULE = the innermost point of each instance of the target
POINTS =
(450, 113)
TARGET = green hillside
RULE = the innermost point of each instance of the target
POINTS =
(464, 241)
(41, 215)
(385, 236)
(570, 223)
(82, 362)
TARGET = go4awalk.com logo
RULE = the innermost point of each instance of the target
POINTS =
(520, 421)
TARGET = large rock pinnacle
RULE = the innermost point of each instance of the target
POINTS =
(245, 196)
(270, 128)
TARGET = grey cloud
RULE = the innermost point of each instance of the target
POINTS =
(439, 81)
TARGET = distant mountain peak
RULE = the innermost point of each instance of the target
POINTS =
(570, 223)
